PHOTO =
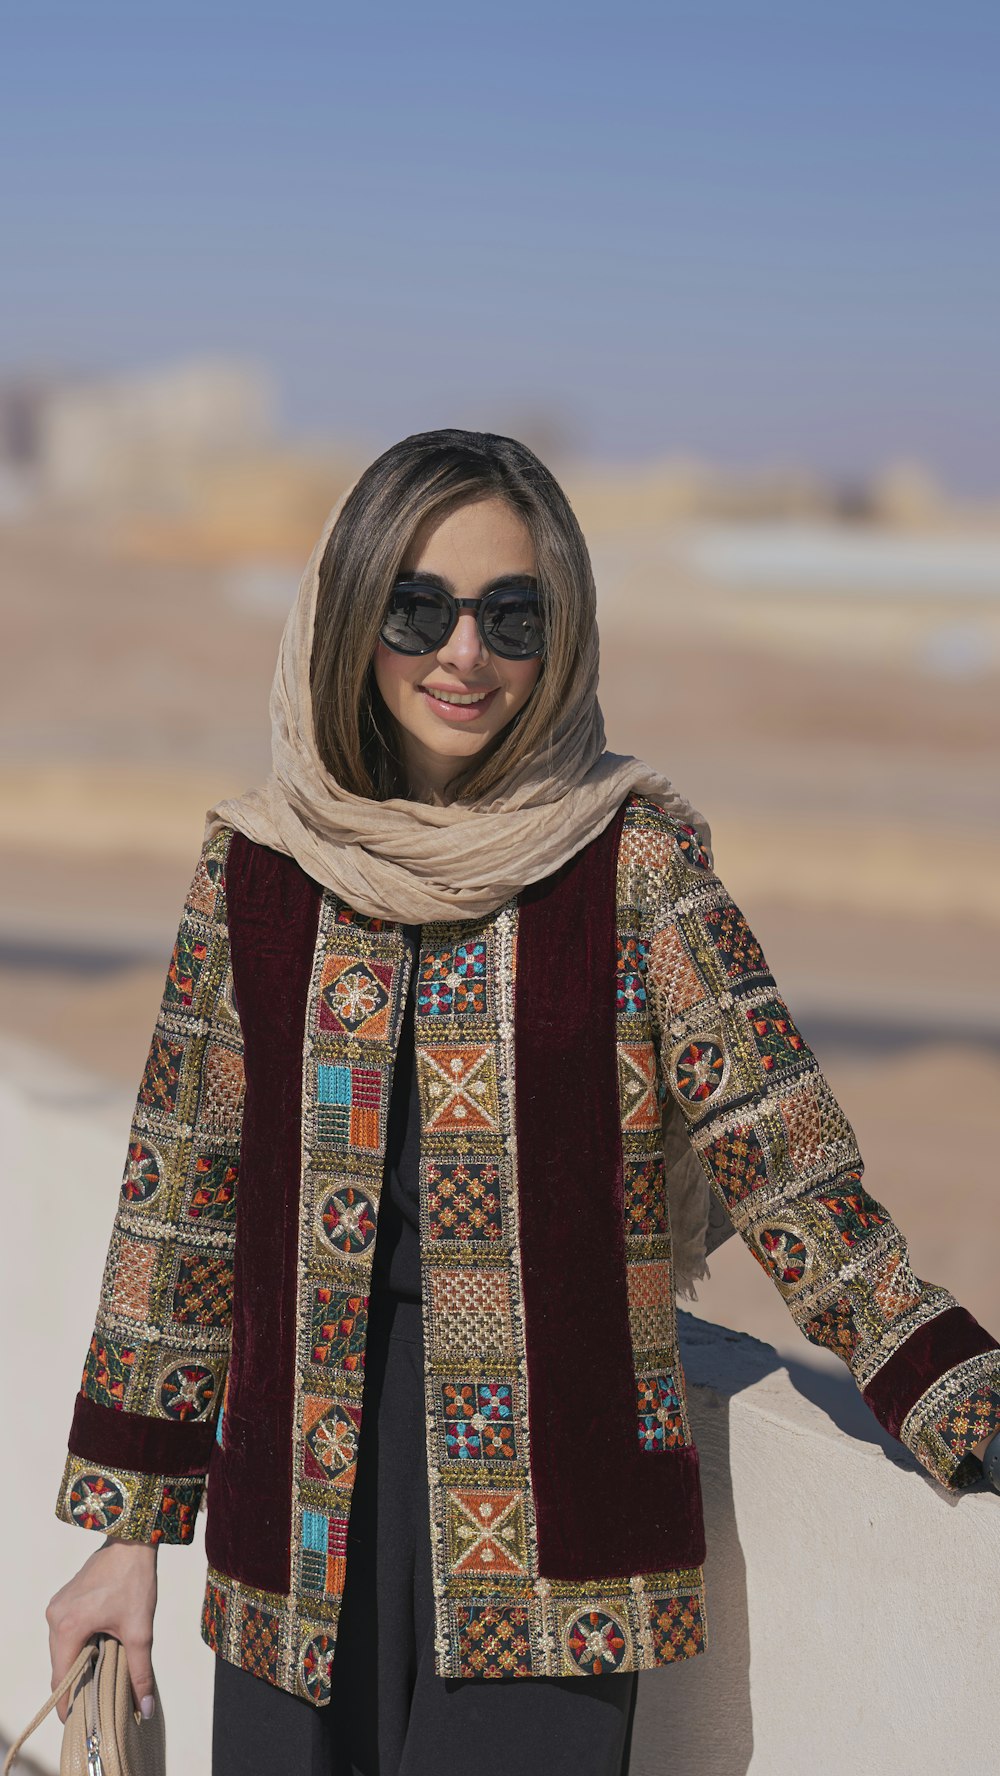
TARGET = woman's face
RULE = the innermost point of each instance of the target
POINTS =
(468, 549)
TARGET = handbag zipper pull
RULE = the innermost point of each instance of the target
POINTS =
(94, 1765)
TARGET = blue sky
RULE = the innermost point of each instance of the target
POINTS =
(752, 230)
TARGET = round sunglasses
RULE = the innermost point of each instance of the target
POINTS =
(421, 616)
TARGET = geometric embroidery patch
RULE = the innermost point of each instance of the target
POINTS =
(479, 1420)
(735, 942)
(185, 967)
(650, 1306)
(354, 997)
(143, 1172)
(106, 1372)
(645, 1196)
(973, 1418)
(633, 954)
(459, 1084)
(699, 1070)
(339, 1325)
(854, 1214)
(187, 1392)
(737, 1162)
(203, 1291)
(463, 1201)
(324, 1553)
(331, 1436)
(452, 983)
(213, 1197)
(803, 1122)
(470, 1313)
(161, 1077)
(677, 982)
(894, 1285)
(260, 1642)
(637, 1079)
(493, 1640)
(348, 1220)
(782, 1252)
(779, 1043)
(349, 1103)
(485, 1533)
(660, 1423)
(678, 1627)
(836, 1328)
(596, 1642)
(134, 1271)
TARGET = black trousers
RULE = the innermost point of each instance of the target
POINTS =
(390, 1714)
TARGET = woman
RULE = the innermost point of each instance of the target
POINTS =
(459, 977)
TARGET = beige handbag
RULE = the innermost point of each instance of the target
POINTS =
(104, 1735)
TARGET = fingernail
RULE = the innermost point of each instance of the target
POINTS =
(146, 1706)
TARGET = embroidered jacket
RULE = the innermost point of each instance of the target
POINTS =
(230, 1337)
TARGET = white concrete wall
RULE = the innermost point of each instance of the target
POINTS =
(853, 1609)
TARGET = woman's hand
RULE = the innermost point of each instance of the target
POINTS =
(114, 1592)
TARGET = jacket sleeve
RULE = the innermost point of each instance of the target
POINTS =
(782, 1156)
(147, 1409)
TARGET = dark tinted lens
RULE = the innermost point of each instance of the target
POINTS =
(513, 621)
(416, 619)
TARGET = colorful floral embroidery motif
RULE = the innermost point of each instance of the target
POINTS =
(633, 955)
(661, 1424)
(106, 1372)
(213, 1193)
(452, 982)
(480, 1420)
(779, 1043)
(143, 1173)
(494, 1641)
(354, 997)
(339, 1326)
(737, 1163)
(597, 1641)
(739, 950)
(348, 1220)
(187, 1392)
(463, 1202)
(700, 1069)
(855, 1214)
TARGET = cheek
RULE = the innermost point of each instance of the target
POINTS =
(521, 680)
(393, 673)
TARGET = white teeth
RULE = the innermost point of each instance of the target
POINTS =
(450, 697)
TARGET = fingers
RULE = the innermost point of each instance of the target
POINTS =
(139, 1654)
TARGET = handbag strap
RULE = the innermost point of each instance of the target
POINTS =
(82, 1659)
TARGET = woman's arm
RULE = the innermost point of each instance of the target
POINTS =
(144, 1417)
(780, 1153)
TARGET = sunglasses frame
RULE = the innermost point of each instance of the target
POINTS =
(456, 605)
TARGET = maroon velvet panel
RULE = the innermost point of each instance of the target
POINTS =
(604, 1505)
(143, 1445)
(932, 1350)
(273, 910)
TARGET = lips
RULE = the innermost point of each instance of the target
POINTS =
(460, 712)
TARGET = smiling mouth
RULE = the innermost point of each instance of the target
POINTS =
(458, 699)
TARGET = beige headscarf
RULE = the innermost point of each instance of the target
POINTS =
(417, 861)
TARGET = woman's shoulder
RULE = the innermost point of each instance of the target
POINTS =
(659, 838)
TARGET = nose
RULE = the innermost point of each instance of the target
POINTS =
(465, 648)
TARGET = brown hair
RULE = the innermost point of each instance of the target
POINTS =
(432, 472)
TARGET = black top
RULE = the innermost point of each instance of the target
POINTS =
(396, 1262)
